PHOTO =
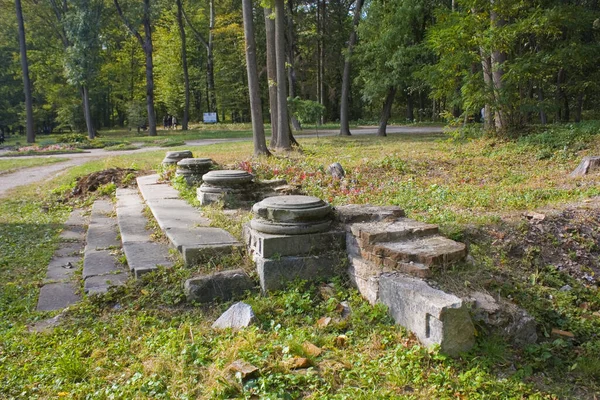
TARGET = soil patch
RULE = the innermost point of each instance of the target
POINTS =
(121, 177)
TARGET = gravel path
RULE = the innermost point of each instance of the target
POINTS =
(31, 175)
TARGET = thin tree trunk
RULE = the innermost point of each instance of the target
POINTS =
(186, 78)
(146, 43)
(87, 114)
(543, 116)
(497, 61)
(25, 69)
(486, 63)
(410, 108)
(271, 73)
(386, 112)
(322, 57)
(291, 56)
(210, 64)
(579, 108)
(345, 100)
(258, 128)
(283, 134)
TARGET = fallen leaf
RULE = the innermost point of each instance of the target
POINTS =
(340, 341)
(558, 332)
(323, 322)
(299, 362)
(311, 349)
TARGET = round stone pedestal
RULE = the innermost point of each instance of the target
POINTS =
(192, 169)
(227, 185)
(291, 215)
(173, 157)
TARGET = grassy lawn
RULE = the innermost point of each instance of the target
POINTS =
(142, 341)
(7, 166)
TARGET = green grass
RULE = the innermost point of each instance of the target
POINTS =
(143, 341)
(8, 166)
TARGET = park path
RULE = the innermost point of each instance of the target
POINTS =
(26, 176)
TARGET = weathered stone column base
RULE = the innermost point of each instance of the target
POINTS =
(275, 273)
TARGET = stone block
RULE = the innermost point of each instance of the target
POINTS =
(144, 257)
(102, 234)
(384, 231)
(239, 315)
(353, 213)
(434, 250)
(434, 316)
(99, 263)
(77, 218)
(62, 268)
(73, 233)
(365, 276)
(56, 296)
(274, 274)
(69, 249)
(224, 286)
(101, 284)
(270, 245)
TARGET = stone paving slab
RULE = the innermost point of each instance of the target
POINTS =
(77, 218)
(183, 225)
(132, 222)
(102, 230)
(434, 250)
(101, 284)
(62, 268)
(56, 296)
(68, 249)
(72, 233)
(144, 257)
(99, 263)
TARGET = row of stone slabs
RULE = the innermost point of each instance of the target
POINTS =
(101, 269)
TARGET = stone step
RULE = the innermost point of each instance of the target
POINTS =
(430, 251)
(402, 228)
(186, 229)
(101, 270)
(143, 255)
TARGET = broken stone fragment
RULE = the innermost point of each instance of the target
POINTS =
(244, 368)
(238, 316)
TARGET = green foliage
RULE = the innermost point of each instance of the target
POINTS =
(306, 111)
(73, 138)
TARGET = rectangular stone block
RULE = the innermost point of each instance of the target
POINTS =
(365, 276)
(354, 213)
(434, 316)
(99, 263)
(62, 268)
(274, 274)
(56, 296)
(431, 251)
(223, 285)
(270, 246)
(144, 257)
(102, 234)
(402, 228)
(100, 284)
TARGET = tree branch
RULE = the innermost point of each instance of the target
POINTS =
(198, 34)
(134, 32)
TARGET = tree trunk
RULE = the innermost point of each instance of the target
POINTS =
(587, 165)
(497, 62)
(291, 56)
(579, 107)
(186, 78)
(345, 98)
(87, 114)
(543, 116)
(321, 55)
(410, 108)
(210, 69)
(486, 64)
(271, 73)
(386, 112)
(283, 134)
(149, 70)
(25, 69)
(258, 128)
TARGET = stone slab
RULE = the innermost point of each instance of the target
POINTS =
(353, 213)
(151, 189)
(62, 268)
(102, 234)
(68, 249)
(386, 231)
(223, 286)
(56, 296)
(102, 207)
(176, 212)
(434, 250)
(100, 262)
(365, 278)
(239, 315)
(268, 245)
(77, 218)
(73, 233)
(434, 316)
(130, 217)
(143, 257)
(101, 284)
(274, 274)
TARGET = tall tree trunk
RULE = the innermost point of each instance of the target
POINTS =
(283, 133)
(25, 69)
(321, 55)
(210, 63)
(486, 64)
(497, 61)
(410, 108)
(186, 78)
(146, 43)
(271, 73)
(258, 128)
(87, 114)
(345, 100)
(579, 107)
(291, 56)
(543, 116)
(386, 112)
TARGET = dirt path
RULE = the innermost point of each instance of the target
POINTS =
(31, 175)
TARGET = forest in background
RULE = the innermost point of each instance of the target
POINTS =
(523, 62)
